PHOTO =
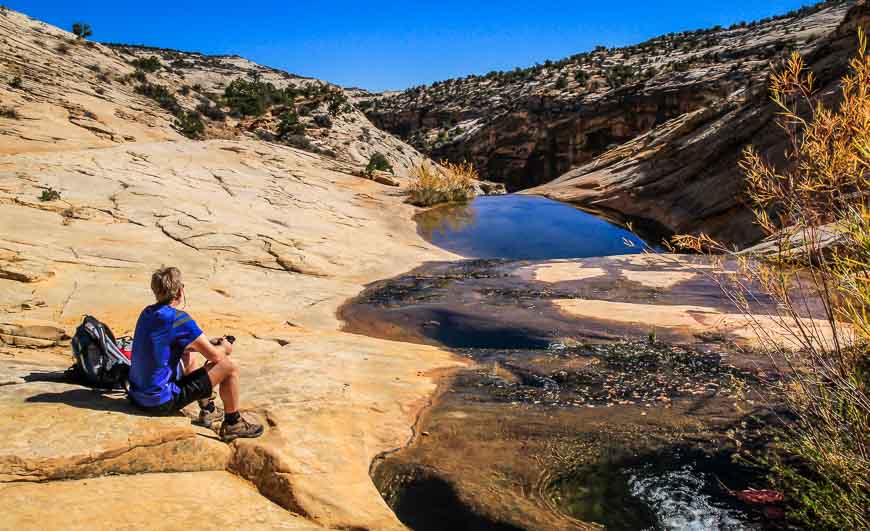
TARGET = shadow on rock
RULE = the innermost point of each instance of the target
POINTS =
(83, 397)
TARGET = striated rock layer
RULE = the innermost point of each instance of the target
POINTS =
(650, 133)
(528, 126)
(684, 174)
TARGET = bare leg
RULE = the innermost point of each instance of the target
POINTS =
(226, 375)
(189, 364)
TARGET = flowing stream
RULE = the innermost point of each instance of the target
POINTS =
(559, 423)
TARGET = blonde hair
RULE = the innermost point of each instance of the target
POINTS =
(166, 284)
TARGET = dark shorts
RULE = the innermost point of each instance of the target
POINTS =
(192, 387)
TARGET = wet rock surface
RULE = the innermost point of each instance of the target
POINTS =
(565, 422)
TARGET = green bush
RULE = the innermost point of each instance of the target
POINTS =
(162, 96)
(289, 125)
(619, 76)
(82, 30)
(253, 98)
(337, 103)
(212, 112)
(189, 124)
(16, 82)
(378, 162)
(323, 120)
(148, 64)
(9, 112)
(49, 194)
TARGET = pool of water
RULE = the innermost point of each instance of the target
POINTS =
(524, 228)
(677, 489)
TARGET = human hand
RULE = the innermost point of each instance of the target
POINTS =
(222, 342)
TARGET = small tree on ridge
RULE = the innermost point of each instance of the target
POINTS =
(82, 30)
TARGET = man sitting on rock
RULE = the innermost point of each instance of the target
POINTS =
(163, 377)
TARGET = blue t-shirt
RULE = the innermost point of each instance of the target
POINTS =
(162, 334)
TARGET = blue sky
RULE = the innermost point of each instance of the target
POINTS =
(383, 44)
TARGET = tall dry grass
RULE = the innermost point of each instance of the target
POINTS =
(815, 210)
(444, 183)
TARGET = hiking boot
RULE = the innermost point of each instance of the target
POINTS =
(240, 430)
(207, 418)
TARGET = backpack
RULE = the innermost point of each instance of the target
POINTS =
(98, 359)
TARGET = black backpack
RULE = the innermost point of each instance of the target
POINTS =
(98, 360)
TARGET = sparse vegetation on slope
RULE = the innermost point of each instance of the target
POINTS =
(189, 123)
(148, 64)
(527, 126)
(82, 30)
(378, 162)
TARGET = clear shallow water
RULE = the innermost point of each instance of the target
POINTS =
(523, 228)
(674, 490)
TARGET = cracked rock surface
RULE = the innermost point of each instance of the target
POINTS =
(270, 239)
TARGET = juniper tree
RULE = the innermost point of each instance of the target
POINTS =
(82, 30)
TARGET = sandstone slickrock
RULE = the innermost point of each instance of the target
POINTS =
(528, 126)
(684, 174)
(271, 240)
(649, 133)
(203, 500)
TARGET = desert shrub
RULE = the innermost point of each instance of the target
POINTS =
(451, 182)
(16, 82)
(82, 30)
(253, 98)
(265, 135)
(289, 125)
(562, 82)
(184, 90)
(820, 458)
(62, 48)
(378, 162)
(95, 68)
(49, 194)
(9, 112)
(323, 120)
(189, 124)
(337, 103)
(147, 64)
(210, 111)
(161, 95)
(619, 76)
(581, 77)
(300, 141)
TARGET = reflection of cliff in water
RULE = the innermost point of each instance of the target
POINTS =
(524, 227)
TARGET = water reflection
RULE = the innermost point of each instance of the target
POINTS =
(452, 218)
(525, 228)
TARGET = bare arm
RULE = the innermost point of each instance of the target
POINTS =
(211, 352)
